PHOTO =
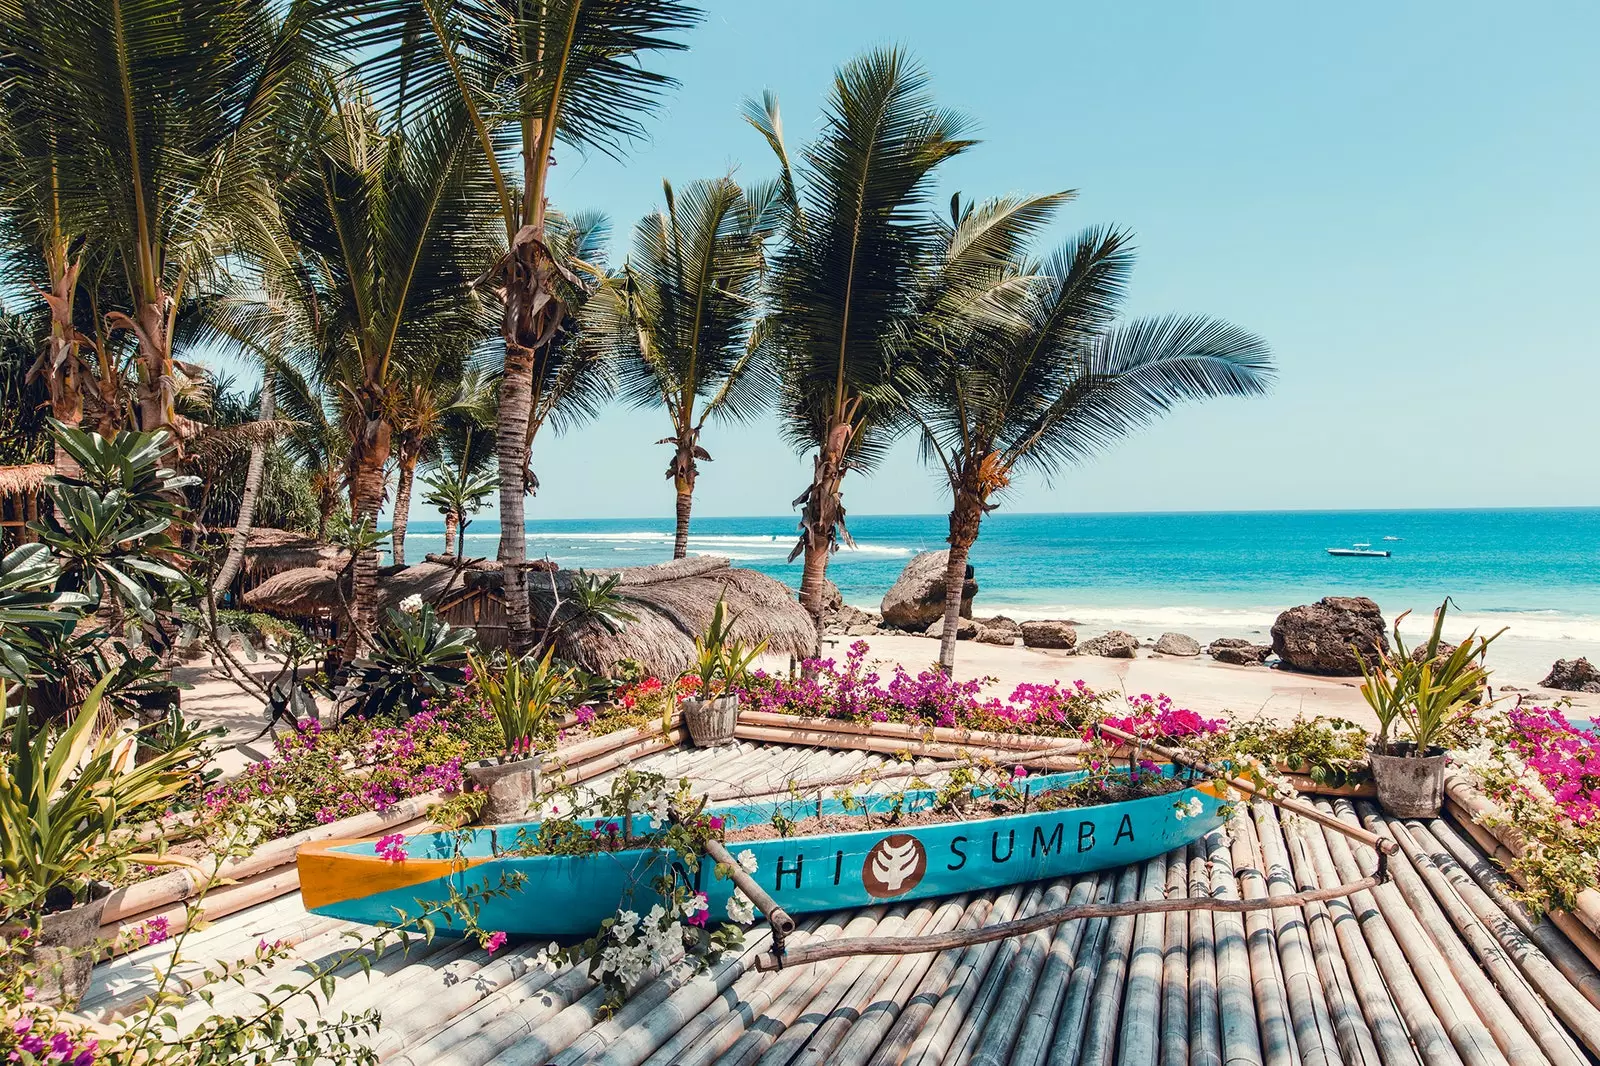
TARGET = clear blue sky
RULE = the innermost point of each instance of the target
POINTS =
(1400, 197)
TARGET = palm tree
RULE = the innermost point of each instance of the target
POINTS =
(462, 479)
(1023, 366)
(389, 230)
(843, 286)
(680, 319)
(458, 495)
(528, 75)
(426, 405)
(166, 124)
(316, 445)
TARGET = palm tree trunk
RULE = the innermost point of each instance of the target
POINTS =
(402, 506)
(366, 499)
(247, 502)
(451, 519)
(822, 515)
(60, 366)
(965, 517)
(680, 542)
(156, 390)
(813, 581)
(511, 435)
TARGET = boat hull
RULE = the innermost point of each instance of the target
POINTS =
(568, 896)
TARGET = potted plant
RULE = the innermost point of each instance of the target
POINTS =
(721, 670)
(524, 697)
(63, 797)
(1430, 692)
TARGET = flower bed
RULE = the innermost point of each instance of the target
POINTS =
(1544, 775)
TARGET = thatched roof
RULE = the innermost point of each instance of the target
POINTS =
(673, 603)
(272, 551)
(24, 480)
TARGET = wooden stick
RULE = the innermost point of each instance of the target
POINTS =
(1305, 810)
(1020, 926)
(777, 917)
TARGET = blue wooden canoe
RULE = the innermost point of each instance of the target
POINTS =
(567, 896)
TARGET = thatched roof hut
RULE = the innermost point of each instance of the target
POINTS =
(20, 488)
(271, 551)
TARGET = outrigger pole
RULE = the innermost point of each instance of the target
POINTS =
(782, 924)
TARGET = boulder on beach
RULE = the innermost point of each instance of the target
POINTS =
(998, 630)
(1573, 675)
(1236, 651)
(847, 619)
(966, 629)
(916, 600)
(1116, 644)
(1049, 634)
(1324, 637)
(1177, 644)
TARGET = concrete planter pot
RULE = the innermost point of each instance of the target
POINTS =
(711, 722)
(1409, 785)
(510, 788)
(62, 959)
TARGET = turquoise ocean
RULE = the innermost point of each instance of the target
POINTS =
(1206, 574)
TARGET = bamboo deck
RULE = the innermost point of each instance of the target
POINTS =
(1437, 967)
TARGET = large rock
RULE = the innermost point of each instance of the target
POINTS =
(1236, 651)
(1323, 637)
(847, 619)
(1113, 645)
(1049, 634)
(1573, 675)
(966, 629)
(1177, 644)
(916, 600)
(998, 630)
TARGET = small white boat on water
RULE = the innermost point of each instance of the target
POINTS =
(1361, 549)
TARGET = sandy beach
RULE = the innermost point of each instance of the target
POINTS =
(1198, 683)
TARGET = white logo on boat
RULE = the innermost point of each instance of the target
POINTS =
(894, 866)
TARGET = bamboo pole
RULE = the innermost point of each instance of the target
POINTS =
(896, 746)
(1019, 927)
(1267, 984)
(1236, 1005)
(1100, 1034)
(1294, 806)
(1074, 1014)
(1141, 1005)
(1205, 1023)
(935, 983)
(1308, 1005)
(946, 1016)
(1355, 1039)
(1033, 1038)
(1570, 963)
(777, 917)
(1003, 1021)
(1175, 966)
(1503, 1023)
(904, 731)
(971, 1023)
(1519, 994)
(1467, 1033)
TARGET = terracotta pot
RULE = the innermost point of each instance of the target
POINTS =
(1409, 785)
(62, 960)
(510, 788)
(711, 722)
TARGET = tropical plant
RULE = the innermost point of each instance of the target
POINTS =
(680, 319)
(1430, 690)
(34, 610)
(415, 656)
(24, 401)
(156, 124)
(722, 663)
(524, 695)
(430, 403)
(316, 444)
(1018, 364)
(457, 495)
(854, 239)
(527, 76)
(389, 230)
(62, 796)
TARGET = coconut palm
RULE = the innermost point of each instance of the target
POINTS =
(317, 444)
(529, 75)
(462, 477)
(679, 320)
(843, 285)
(389, 229)
(427, 404)
(165, 130)
(1022, 365)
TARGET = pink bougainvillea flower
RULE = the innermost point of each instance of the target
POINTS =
(699, 910)
(391, 848)
(494, 942)
(1019, 772)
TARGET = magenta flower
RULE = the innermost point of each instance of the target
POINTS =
(494, 943)
(1019, 772)
(391, 848)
